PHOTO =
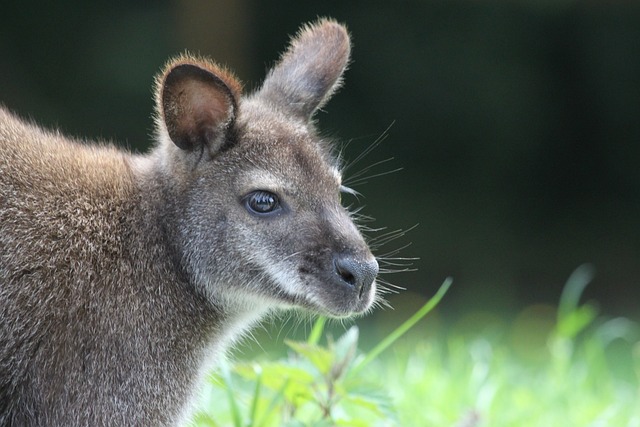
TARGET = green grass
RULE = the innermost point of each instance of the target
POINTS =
(560, 367)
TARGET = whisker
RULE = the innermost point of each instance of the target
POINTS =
(346, 189)
(396, 270)
(370, 229)
(369, 149)
(384, 238)
(380, 302)
(387, 289)
(365, 179)
(379, 241)
(367, 169)
(362, 221)
(386, 263)
(354, 211)
(391, 254)
(391, 285)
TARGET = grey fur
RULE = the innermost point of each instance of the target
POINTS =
(123, 277)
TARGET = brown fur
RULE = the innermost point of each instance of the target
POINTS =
(123, 277)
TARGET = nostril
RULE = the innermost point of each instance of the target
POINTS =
(344, 268)
(355, 272)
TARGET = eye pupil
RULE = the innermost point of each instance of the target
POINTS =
(262, 202)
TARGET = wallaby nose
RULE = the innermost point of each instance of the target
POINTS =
(356, 272)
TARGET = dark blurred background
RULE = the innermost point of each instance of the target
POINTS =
(516, 123)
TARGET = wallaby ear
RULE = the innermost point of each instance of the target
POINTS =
(310, 71)
(196, 102)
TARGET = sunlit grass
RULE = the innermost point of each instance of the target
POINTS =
(470, 381)
(560, 366)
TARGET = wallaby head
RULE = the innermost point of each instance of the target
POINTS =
(259, 219)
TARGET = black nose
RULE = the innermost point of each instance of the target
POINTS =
(356, 272)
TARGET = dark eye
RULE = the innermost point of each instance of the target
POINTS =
(262, 202)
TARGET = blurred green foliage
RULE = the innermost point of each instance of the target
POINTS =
(515, 123)
(577, 370)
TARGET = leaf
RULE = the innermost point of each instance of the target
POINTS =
(346, 343)
(344, 351)
(375, 400)
(573, 322)
(319, 357)
(571, 318)
(295, 382)
(274, 373)
(352, 423)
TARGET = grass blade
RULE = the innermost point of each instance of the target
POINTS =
(316, 332)
(402, 329)
(577, 282)
(225, 375)
(256, 396)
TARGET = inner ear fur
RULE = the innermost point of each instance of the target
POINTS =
(197, 103)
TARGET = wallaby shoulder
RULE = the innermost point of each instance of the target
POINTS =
(83, 257)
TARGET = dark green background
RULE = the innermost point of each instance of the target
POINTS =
(516, 123)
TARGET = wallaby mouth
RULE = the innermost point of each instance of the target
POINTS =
(350, 288)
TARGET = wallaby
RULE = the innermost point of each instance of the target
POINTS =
(123, 277)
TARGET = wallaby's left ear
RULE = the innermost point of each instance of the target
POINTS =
(197, 103)
(310, 71)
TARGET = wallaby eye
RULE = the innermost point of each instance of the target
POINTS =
(262, 202)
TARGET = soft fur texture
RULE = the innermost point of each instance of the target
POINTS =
(124, 277)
